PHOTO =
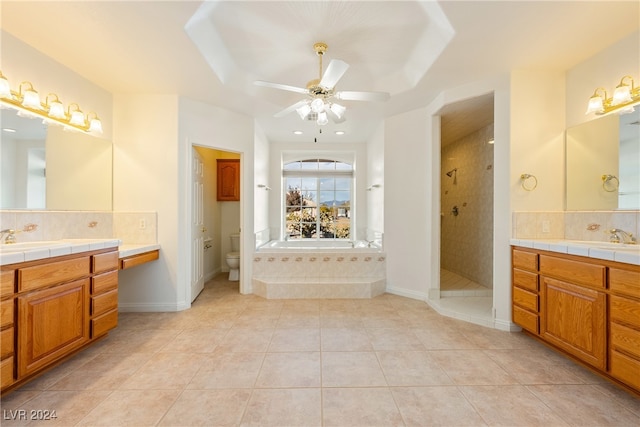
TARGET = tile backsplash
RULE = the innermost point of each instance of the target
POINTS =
(130, 227)
(574, 225)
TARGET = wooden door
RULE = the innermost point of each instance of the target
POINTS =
(573, 318)
(197, 225)
(51, 323)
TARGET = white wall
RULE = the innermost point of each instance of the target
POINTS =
(145, 178)
(261, 177)
(407, 204)
(375, 176)
(537, 139)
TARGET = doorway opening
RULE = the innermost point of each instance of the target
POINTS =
(213, 221)
(466, 204)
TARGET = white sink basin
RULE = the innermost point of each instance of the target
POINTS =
(27, 246)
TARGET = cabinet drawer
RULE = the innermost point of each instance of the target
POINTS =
(6, 313)
(7, 282)
(625, 339)
(525, 299)
(526, 319)
(624, 310)
(525, 279)
(6, 343)
(135, 260)
(624, 282)
(526, 260)
(573, 271)
(6, 372)
(104, 302)
(52, 273)
(104, 282)
(625, 369)
(102, 324)
(104, 262)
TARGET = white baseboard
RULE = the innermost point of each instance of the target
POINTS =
(407, 293)
(151, 307)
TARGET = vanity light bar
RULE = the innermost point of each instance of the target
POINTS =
(624, 98)
(27, 101)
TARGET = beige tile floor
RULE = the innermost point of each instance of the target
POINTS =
(244, 360)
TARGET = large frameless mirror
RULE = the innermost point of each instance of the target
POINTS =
(47, 167)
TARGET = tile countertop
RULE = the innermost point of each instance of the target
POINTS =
(31, 251)
(625, 253)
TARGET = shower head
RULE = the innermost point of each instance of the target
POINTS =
(451, 172)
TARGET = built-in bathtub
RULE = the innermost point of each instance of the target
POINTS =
(319, 269)
(320, 245)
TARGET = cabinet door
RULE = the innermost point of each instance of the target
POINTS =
(228, 180)
(51, 323)
(573, 318)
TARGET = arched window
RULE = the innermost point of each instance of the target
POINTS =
(317, 199)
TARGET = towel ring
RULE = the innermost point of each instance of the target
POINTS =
(524, 177)
(610, 178)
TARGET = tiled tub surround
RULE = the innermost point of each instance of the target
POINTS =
(319, 273)
(133, 228)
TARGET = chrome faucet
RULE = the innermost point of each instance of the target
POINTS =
(620, 236)
(11, 238)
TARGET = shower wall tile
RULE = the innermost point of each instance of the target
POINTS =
(467, 238)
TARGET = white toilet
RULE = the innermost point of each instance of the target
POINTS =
(233, 258)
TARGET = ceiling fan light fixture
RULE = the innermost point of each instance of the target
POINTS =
(322, 118)
(337, 109)
(303, 111)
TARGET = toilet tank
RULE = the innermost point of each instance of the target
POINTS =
(235, 242)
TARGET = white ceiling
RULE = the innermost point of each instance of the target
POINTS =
(394, 46)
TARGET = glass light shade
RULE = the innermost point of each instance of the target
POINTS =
(596, 105)
(31, 99)
(338, 110)
(77, 118)
(56, 110)
(322, 118)
(621, 95)
(95, 125)
(303, 111)
(5, 89)
(317, 105)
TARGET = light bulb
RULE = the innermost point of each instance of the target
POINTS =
(338, 109)
(621, 95)
(31, 99)
(303, 111)
(77, 118)
(95, 125)
(596, 105)
(317, 105)
(322, 118)
(56, 110)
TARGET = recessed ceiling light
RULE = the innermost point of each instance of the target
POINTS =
(297, 132)
(339, 132)
(8, 130)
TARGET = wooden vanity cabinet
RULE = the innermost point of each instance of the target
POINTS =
(54, 307)
(588, 308)
(7, 327)
(525, 291)
(624, 326)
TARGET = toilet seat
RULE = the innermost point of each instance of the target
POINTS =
(233, 255)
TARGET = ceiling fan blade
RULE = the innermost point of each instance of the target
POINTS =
(301, 90)
(334, 72)
(362, 96)
(290, 108)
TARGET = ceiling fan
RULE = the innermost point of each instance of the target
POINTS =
(321, 92)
